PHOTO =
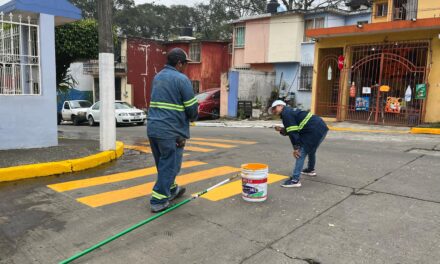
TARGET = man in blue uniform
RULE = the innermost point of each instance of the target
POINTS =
(172, 108)
(306, 133)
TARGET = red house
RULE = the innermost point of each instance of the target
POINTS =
(146, 57)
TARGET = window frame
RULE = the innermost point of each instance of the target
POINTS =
(305, 79)
(195, 55)
(314, 25)
(240, 29)
(383, 8)
(194, 82)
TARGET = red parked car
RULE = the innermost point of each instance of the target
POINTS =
(209, 103)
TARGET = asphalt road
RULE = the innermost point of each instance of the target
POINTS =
(376, 199)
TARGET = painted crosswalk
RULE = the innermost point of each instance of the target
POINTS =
(145, 189)
(124, 176)
(124, 191)
(197, 144)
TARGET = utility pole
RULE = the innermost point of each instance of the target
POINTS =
(107, 124)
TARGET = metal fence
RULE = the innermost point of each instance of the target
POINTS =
(384, 80)
(19, 56)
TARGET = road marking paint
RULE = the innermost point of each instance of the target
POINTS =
(211, 144)
(79, 184)
(139, 148)
(235, 188)
(190, 148)
(111, 197)
(225, 140)
(198, 149)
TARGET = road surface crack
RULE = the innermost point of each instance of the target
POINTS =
(229, 230)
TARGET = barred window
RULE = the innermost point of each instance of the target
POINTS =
(240, 32)
(19, 56)
(306, 78)
(196, 86)
(194, 52)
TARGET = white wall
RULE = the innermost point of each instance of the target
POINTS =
(84, 82)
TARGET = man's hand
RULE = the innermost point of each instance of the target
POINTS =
(282, 130)
(297, 153)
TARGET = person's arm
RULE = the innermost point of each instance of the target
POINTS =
(292, 130)
(189, 101)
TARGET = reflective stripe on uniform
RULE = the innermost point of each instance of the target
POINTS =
(158, 195)
(292, 128)
(190, 102)
(305, 120)
(301, 126)
(167, 106)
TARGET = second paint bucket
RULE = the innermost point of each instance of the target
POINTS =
(254, 181)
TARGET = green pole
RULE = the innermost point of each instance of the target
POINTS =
(110, 239)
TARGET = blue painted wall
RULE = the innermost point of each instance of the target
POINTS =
(233, 93)
(353, 19)
(288, 74)
(30, 121)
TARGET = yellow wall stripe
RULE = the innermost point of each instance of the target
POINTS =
(111, 197)
(78, 184)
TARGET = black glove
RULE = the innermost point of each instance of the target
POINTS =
(180, 142)
(283, 132)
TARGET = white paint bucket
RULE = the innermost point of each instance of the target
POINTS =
(254, 181)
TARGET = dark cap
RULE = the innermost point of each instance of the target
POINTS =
(178, 54)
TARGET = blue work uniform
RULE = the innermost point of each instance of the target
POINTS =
(306, 133)
(172, 108)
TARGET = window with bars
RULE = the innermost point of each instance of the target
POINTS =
(318, 22)
(196, 86)
(381, 9)
(240, 32)
(19, 56)
(194, 52)
(306, 78)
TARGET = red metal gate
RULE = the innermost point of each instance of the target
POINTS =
(382, 83)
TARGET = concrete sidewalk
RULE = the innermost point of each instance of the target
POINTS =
(70, 155)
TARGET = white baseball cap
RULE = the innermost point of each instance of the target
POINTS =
(275, 104)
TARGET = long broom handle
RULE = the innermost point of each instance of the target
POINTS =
(146, 221)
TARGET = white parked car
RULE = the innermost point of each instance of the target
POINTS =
(75, 111)
(124, 114)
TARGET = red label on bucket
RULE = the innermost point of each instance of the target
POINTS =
(254, 181)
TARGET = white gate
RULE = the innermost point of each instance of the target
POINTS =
(19, 56)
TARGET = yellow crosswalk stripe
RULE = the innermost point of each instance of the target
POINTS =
(225, 140)
(139, 148)
(78, 184)
(198, 149)
(190, 148)
(145, 149)
(234, 188)
(211, 144)
(111, 197)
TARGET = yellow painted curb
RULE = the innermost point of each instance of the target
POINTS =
(60, 167)
(346, 129)
(420, 130)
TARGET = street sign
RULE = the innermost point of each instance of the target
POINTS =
(341, 62)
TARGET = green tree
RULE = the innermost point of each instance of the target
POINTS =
(73, 42)
(89, 7)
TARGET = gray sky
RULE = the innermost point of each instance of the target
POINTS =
(171, 2)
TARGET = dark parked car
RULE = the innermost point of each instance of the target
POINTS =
(209, 103)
